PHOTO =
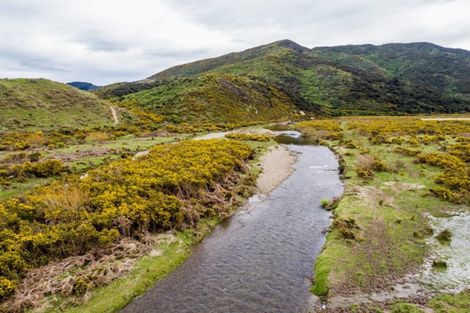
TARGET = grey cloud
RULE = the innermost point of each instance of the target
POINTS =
(105, 41)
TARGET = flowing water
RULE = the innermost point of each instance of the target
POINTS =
(260, 260)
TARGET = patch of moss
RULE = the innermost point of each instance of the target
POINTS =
(405, 308)
(451, 303)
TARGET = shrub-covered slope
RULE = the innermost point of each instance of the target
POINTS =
(388, 79)
(43, 104)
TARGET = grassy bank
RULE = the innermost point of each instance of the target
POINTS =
(396, 171)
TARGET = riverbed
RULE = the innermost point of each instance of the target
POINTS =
(261, 259)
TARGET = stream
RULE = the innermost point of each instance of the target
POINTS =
(261, 259)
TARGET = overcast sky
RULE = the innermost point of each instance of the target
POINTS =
(105, 41)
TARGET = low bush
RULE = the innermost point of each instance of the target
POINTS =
(41, 169)
(439, 265)
(346, 227)
(366, 165)
(444, 237)
(172, 187)
(318, 130)
(455, 180)
(441, 159)
(248, 136)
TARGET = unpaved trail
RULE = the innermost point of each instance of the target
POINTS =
(115, 115)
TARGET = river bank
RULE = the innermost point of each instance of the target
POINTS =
(382, 253)
(170, 250)
(261, 259)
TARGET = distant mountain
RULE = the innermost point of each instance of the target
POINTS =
(41, 104)
(83, 86)
(280, 79)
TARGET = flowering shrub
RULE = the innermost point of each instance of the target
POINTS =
(172, 187)
(440, 159)
(248, 136)
(455, 180)
(408, 126)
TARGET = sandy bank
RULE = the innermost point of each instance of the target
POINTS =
(277, 165)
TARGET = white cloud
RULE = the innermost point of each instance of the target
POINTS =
(104, 41)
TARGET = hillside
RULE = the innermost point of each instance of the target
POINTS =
(252, 84)
(31, 104)
(422, 65)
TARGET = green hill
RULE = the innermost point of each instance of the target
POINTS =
(280, 79)
(33, 104)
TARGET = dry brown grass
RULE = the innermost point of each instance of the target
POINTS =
(77, 275)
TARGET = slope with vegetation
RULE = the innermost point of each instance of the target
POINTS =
(40, 104)
(281, 79)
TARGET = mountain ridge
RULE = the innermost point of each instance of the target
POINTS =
(396, 78)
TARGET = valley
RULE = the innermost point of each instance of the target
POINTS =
(276, 179)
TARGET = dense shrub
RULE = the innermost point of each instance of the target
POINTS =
(248, 136)
(173, 186)
(408, 126)
(45, 168)
(441, 159)
(460, 150)
(455, 180)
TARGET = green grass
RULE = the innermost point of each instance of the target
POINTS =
(451, 303)
(33, 104)
(405, 308)
(392, 227)
(19, 188)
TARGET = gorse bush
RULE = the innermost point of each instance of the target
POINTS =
(441, 159)
(248, 137)
(172, 187)
(407, 126)
(455, 180)
(44, 168)
(10, 173)
(460, 150)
